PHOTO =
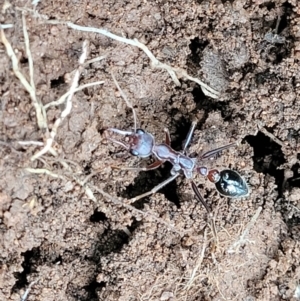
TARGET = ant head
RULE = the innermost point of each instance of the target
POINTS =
(140, 143)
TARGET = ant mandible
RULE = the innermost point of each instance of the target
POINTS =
(141, 144)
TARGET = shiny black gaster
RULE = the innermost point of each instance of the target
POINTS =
(231, 184)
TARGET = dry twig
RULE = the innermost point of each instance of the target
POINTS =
(28, 52)
(30, 88)
(199, 262)
(5, 26)
(38, 143)
(173, 71)
(44, 171)
(25, 296)
(271, 136)
(62, 99)
(68, 107)
(242, 238)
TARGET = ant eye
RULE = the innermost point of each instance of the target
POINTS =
(140, 131)
(134, 152)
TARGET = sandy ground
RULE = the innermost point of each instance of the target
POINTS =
(67, 231)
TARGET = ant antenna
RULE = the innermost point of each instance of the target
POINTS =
(128, 103)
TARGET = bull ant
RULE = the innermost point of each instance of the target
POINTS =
(141, 144)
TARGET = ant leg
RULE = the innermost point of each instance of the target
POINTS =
(152, 166)
(213, 152)
(155, 189)
(168, 137)
(189, 136)
(199, 196)
(210, 216)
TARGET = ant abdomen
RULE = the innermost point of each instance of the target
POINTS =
(231, 184)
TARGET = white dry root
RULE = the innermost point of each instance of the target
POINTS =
(25, 296)
(198, 264)
(68, 106)
(242, 239)
(5, 26)
(62, 99)
(41, 110)
(174, 72)
(30, 87)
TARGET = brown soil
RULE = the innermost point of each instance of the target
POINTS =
(162, 247)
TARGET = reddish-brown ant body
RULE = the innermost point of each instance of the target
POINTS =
(142, 144)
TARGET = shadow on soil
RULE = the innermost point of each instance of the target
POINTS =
(268, 157)
(31, 257)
